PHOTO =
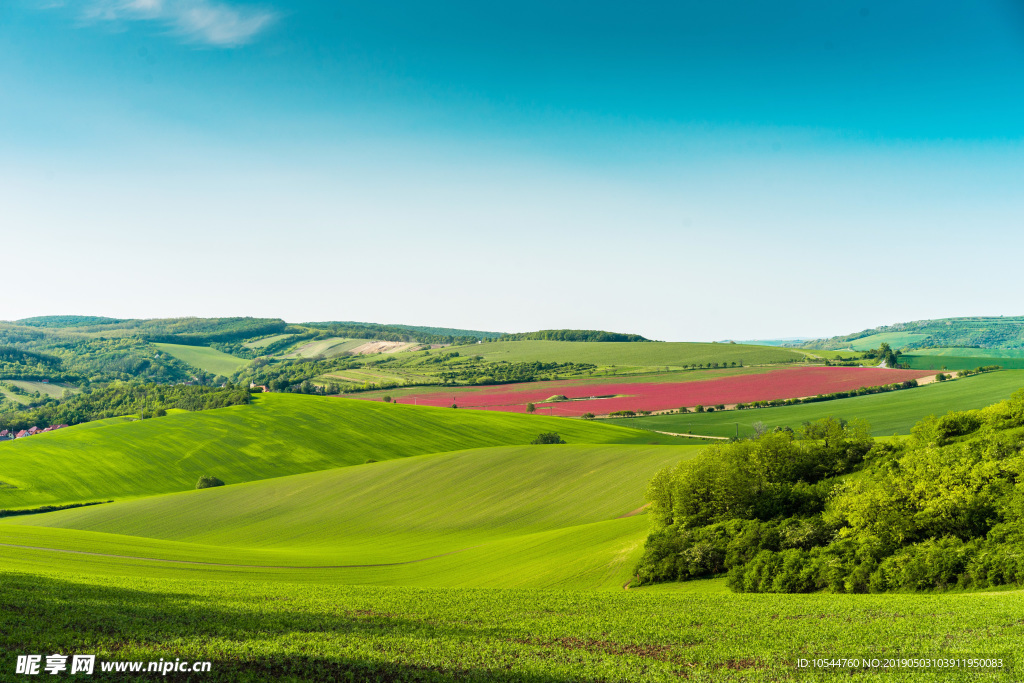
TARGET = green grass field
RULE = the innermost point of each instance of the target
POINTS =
(463, 554)
(527, 515)
(254, 631)
(51, 389)
(204, 358)
(278, 434)
(890, 413)
(896, 340)
(972, 353)
(17, 399)
(629, 354)
(266, 341)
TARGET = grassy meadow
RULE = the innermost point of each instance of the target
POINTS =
(658, 355)
(51, 389)
(889, 413)
(258, 631)
(205, 358)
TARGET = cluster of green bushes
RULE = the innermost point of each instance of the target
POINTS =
(123, 398)
(574, 335)
(780, 513)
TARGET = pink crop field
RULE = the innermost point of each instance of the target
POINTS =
(602, 399)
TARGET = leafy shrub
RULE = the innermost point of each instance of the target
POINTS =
(548, 437)
(206, 482)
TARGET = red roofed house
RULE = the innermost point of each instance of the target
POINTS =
(21, 434)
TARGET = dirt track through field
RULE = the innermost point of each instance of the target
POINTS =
(224, 564)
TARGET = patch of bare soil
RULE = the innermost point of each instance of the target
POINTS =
(370, 348)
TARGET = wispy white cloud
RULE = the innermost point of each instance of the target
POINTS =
(201, 21)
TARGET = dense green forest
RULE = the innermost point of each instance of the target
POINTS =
(574, 335)
(60, 356)
(828, 509)
(129, 398)
(1003, 332)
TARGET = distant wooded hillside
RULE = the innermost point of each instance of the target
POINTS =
(1003, 332)
(574, 335)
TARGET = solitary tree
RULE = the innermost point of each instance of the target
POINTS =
(530, 408)
(548, 437)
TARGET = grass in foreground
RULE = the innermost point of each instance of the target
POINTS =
(398, 510)
(253, 631)
(277, 435)
(890, 413)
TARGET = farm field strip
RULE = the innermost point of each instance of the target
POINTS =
(267, 341)
(607, 398)
(557, 385)
(257, 630)
(889, 413)
(951, 363)
(535, 516)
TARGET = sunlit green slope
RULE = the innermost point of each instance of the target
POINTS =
(507, 516)
(277, 435)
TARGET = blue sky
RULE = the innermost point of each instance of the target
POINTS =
(682, 170)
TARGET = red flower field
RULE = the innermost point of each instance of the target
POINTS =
(602, 399)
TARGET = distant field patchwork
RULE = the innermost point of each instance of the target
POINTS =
(604, 398)
(889, 413)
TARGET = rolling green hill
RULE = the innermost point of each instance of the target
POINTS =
(1002, 332)
(205, 358)
(890, 413)
(501, 507)
(278, 434)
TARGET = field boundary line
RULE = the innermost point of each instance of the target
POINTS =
(693, 436)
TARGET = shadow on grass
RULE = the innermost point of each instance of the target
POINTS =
(44, 615)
